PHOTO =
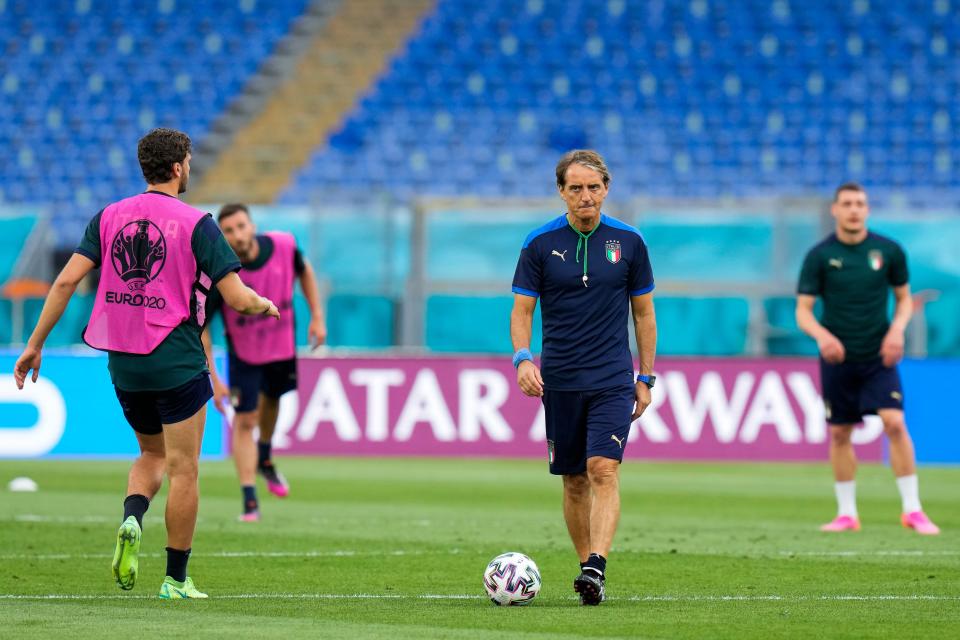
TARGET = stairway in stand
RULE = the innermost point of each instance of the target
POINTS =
(344, 59)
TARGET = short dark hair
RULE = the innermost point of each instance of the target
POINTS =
(228, 210)
(586, 157)
(159, 150)
(848, 186)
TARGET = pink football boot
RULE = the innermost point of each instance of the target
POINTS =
(276, 483)
(919, 522)
(842, 523)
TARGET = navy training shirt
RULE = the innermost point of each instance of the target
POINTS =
(585, 343)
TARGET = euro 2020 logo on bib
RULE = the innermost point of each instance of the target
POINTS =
(139, 252)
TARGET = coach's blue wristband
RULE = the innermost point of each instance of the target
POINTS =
(520, 356)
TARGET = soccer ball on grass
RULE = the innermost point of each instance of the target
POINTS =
(512, 579)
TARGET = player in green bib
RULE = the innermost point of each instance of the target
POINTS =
(852, 271)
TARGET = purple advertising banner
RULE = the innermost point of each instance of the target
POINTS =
(736, 409)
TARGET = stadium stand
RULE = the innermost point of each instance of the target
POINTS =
(685, 97)
(339, 63)
(81, 81)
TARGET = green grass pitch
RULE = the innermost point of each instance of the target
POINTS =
(374, 548)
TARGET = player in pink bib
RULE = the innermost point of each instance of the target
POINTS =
(262, 362)
(160, 260)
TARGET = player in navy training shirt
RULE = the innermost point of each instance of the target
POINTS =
(587, 269)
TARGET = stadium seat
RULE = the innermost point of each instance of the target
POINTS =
(701, 326)
(738, 77)
(358, 321)
(70, 56)
(468, 324)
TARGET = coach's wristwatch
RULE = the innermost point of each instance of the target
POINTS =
(647, 380)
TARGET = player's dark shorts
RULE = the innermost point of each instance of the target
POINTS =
(584, 424)
(148, 411)
(248, 381)
(854, 389)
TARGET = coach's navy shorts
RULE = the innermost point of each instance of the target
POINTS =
(148, 411)
(248, 381)
(584, 424)
(853, 389)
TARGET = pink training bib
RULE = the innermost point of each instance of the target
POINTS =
(149, 280)
(261, 339)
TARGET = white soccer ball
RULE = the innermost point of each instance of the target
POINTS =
(512, 579)
(22, 484)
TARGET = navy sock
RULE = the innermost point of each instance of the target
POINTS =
(177, 563)
(249, 498)
(263, 452)
(135, 505)
(595, 562)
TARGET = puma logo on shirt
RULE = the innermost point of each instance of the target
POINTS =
(563, 256)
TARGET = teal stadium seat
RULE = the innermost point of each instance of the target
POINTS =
(786, 339)
(6, 321)
(701, 326)
(462, 324)
(943, 339)
(14, 231)
(70, 328)
(359, 321)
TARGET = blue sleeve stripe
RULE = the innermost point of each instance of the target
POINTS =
(623, 226)
(526, 292)
(557, 223)
(640, 292)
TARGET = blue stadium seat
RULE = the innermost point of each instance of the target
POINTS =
(815, 83)
(79, 80)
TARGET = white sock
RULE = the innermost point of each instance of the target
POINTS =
(909, 493)
(846, 498)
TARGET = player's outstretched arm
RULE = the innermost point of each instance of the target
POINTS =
(317, 330)
(830, 347)
(243, 299)
(521, 331)
(60, 293)
(645, 328)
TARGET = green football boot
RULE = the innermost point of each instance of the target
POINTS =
(173, 590)
(126, 558)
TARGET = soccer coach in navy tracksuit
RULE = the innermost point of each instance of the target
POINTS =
(587, 269)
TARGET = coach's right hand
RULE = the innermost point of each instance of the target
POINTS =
(831, 349)
(528, 377)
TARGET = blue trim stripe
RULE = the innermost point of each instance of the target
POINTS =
(619, 224)
(526, 292)
(557, 223)
(645, 290)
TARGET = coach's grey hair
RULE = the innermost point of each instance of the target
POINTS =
(585, 157)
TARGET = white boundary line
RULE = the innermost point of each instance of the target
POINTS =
(32, 517)
(460, 596)
(237, 554)
(879, 553)
(349, 553)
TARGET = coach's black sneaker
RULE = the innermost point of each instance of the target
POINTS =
(590, 585)
(276, 483)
